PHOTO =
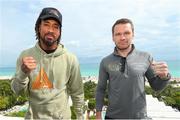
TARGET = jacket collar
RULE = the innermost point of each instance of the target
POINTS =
(116, 51)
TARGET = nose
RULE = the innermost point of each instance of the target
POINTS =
(122, 37)
(50, 29)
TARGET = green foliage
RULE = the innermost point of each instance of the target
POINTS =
(93, 117)
(91, 104)
(3, 102)
(17, 114)
(89, 90)
(148, 90)
(169, 101)
(73, 114)
(168, 91)
(173, 82)
(5, 88)
(7, 97)
(21, 99)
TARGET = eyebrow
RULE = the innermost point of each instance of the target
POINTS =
(47, 21)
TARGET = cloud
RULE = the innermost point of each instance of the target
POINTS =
(87, 25)
(73, 44)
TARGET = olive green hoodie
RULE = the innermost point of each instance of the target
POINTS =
(56, 77)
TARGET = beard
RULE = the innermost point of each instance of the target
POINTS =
(49, 41)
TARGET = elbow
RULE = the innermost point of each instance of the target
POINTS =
(15, 88)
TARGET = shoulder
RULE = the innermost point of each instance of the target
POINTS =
(142, 53)
(108, 58)
(70, 56)
(27, 52)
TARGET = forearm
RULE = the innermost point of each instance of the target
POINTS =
(78, 103)
(99, 99)
(157, 83)
(19, 82)
(76, 92)
(101, 87)
(75, 89)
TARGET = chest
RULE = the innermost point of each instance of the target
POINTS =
(53, 72)
(128, 68)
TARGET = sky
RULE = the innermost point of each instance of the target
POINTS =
(86, 27)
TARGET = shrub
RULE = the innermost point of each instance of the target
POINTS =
(8, 98)
(89, 90)
(91, 104)
(148, 90)
(5, 88)
(92, 117)
(169, 101)
(3, 103)
(17, 114)
(73, 115)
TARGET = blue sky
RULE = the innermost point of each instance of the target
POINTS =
(87, 26)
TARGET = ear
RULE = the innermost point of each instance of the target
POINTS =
(39, 27)
(113, 38)
(60, 32)
(133, 34)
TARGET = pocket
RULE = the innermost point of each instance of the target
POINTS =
(51, 111)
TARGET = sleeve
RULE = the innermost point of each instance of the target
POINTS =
(75, 89)
(101, 87)
(155, 81)
(19, 80)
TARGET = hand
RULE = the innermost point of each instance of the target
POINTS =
(160, 69)
(28, 64)
(98, 115)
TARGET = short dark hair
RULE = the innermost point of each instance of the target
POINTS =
(123, 21)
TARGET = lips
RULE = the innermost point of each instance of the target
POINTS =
(122, 43)
(50, 37)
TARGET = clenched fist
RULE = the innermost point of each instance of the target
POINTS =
(160, 69)
(28, 64)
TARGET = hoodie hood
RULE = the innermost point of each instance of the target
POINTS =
(59, 51)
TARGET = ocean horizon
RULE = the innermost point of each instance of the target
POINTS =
(92, 69)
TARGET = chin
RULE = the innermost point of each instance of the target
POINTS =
(123, 47)
(49, 43)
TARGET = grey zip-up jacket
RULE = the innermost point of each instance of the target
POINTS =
(125, 81)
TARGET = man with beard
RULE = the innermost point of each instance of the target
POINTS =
(49, 73)
(124, 72)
